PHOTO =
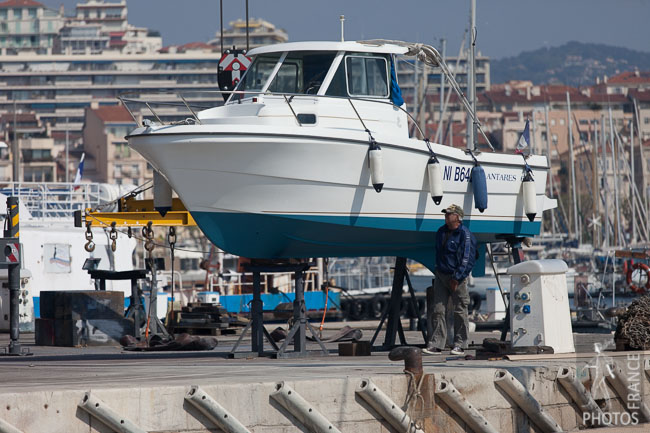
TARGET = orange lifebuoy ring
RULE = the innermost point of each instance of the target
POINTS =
(628, 278)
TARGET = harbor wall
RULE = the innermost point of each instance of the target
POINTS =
(158, 408)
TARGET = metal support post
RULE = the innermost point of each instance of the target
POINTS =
(108, 416)
(155, 325)
(135, 309)
(256, 324)
(526, 402)
(463, 408)
(582, 398)
(302, 410)
(299, 313)
(12, 230)
(257, 334)
(517, 257)
(297, 334)
(300, 323)
(392, 313)
(214, 411)
(386, 407)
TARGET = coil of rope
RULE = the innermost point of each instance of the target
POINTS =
(634, 325)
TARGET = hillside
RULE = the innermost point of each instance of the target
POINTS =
(574, 64)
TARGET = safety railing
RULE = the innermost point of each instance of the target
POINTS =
(130, 103)
(53, 199)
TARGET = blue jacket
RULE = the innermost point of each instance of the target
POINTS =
(456, 255)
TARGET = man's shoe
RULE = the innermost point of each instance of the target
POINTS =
(430, 350)
(457, 350)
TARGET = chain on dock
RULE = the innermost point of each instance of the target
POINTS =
(634, 325)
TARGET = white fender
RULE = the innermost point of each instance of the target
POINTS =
(376, 168)
(530, 198)
(435, 180)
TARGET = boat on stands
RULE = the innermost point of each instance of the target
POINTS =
(311, 157)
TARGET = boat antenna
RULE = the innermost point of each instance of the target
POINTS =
(247, 48)
(221, 19)
(342, 18)
(471, 78)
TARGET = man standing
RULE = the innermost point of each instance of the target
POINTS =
(455, 258)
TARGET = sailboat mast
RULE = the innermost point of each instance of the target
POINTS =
(605, 177)
(595, 177)
(615, 164)
(550, 170)
(471, 77)
(573, 171)
(643, 160)
(632, 183)
(416, 93)
(533, 140)
(443, 51)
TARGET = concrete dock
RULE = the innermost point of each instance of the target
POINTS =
(42, 392)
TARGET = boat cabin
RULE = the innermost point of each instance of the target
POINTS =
(321, 84)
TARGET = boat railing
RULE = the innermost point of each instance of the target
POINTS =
(191, 109)
(53, 200)
(237, 283)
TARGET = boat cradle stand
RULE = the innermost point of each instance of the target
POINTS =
(136, 309)
(393, 311)
(300, 323)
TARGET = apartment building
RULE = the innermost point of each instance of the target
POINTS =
(109, 159)
(261, 32)
(28, 26)
(414, 75)
(58, 88)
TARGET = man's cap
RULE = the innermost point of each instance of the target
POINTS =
(454, 208)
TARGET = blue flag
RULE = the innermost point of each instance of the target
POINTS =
(80, 170)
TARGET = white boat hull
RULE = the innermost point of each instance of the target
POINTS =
(273, 193)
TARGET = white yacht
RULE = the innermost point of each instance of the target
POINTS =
(289, 167)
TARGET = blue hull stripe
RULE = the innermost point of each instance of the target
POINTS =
(284, 236)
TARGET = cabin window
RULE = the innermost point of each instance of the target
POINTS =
(257, 74)
(302, 72)
(367, 76)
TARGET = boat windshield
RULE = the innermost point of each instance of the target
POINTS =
(302, 72)
(257, 74)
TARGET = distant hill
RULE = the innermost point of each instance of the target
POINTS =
(574, 64)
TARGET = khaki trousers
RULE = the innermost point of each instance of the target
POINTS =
(437, 312)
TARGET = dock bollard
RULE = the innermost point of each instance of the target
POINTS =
(463, 408)
(623, 388)
(525, 401)
(579, 394)
(301, 409)
(386, 407)
(412, 357)
(214, 411)
(5, 427)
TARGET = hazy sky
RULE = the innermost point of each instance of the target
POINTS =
(505, 27)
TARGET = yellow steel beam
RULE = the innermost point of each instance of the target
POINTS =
(136, 213)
